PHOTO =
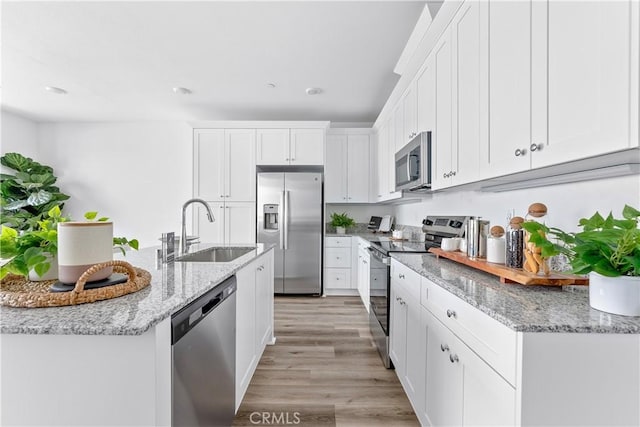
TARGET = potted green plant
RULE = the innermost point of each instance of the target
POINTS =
(341, 221)
(29, 194)
(608, 249)
(32, 253)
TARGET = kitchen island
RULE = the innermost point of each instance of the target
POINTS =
(508, 354)
(109, 362)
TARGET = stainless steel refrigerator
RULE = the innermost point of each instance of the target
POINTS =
(290, 216)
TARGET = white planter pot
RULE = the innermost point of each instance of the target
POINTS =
(82, 245)
(51, 274)
(341, 230)
(616, 295)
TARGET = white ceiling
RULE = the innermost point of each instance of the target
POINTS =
(120, 60)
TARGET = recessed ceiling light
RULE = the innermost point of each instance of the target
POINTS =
(56, 90)
(182, 90)
(271, 85)
(313, 90)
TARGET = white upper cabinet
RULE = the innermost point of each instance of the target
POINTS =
(442, 140)
(399, 137)
(224, 164)
(272, 146)
(347, 169)
(290, 146)
(589, 49)
(426, 97)
(410, 107)
(307, 146)
(563, 82)
(335, 169)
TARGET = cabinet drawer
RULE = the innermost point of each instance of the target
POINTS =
(338, 258)
(337, 278)
(406, 278)
(490, 339)
(337, 242)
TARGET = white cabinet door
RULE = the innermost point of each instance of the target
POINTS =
(245, 330)
(363, 277)
(307, 147)
(210, 232)
(426, 97)
(240, 149)
(443, 394)
(399, 137)
(264, 300)
(443, 138)
(335, 169)
(410, 117)
(397, 329)
(358, 169)
(507, 150)
(588, 78)
(240, 223)
(272, 146)
(468, 31)
(415, 353)
(382, 162)
(209, 164)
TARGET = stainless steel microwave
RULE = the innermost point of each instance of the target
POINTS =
(413, 164)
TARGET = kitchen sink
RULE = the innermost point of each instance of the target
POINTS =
(216, 254)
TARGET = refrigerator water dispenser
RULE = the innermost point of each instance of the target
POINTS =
(270, 217)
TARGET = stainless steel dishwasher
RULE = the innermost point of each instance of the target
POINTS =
(204, 354)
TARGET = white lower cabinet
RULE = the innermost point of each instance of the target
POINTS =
(338, 266)
(254, 319)
(364, 261)
(461, 389)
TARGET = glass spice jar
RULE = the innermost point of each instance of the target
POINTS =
(514, 243)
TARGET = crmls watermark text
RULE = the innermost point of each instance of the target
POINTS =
(272, 418)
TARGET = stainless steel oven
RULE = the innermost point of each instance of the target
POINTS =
(379, 288)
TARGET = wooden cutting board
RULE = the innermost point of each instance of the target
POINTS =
(512, 275)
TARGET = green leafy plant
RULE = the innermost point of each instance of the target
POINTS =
(33, 249)
(29, 194)
(608, 246)
(342, 220)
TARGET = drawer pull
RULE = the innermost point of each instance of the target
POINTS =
(402, 302)
(453, 358)
(451, 313)
(397, 298)
(444, 347)
(401, 276)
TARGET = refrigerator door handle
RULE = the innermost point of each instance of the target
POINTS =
(281, 214)
(286, 220)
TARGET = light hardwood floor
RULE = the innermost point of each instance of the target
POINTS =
(323, 370)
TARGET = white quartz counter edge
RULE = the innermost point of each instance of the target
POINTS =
(521, 308)
(173, 286)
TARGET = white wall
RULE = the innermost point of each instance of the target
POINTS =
(19, 135)
(566, 203)
(138, 174)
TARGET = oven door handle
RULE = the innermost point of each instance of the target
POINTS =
(376, 254)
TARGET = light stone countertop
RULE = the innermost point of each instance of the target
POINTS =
(521, 308)
(172, 287)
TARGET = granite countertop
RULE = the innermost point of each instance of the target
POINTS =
(172, 287)
(521, 308)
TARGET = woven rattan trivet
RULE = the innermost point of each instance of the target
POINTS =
(16, 291)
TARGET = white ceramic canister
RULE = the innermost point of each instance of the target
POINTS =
(82, 245)
(496, 249)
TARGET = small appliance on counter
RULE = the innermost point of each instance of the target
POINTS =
(386, 224)
(374, 223)
(437, 228)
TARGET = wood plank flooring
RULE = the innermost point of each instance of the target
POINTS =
(323, 371)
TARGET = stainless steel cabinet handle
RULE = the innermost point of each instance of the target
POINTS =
(520, 152)
(221, 196)
(226, 195)
(444, 347)
(451, 313)
(453, 173)
(365, 261)
(397, 298)
(453, 358)
(401, 276)
(402, 303)
(444, 175)
(293, 159)
(535, 147)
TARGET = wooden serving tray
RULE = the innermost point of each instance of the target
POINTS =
(512, 275)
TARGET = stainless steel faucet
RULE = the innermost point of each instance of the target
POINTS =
(183, 235)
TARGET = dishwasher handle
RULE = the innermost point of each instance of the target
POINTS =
(188, 317)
